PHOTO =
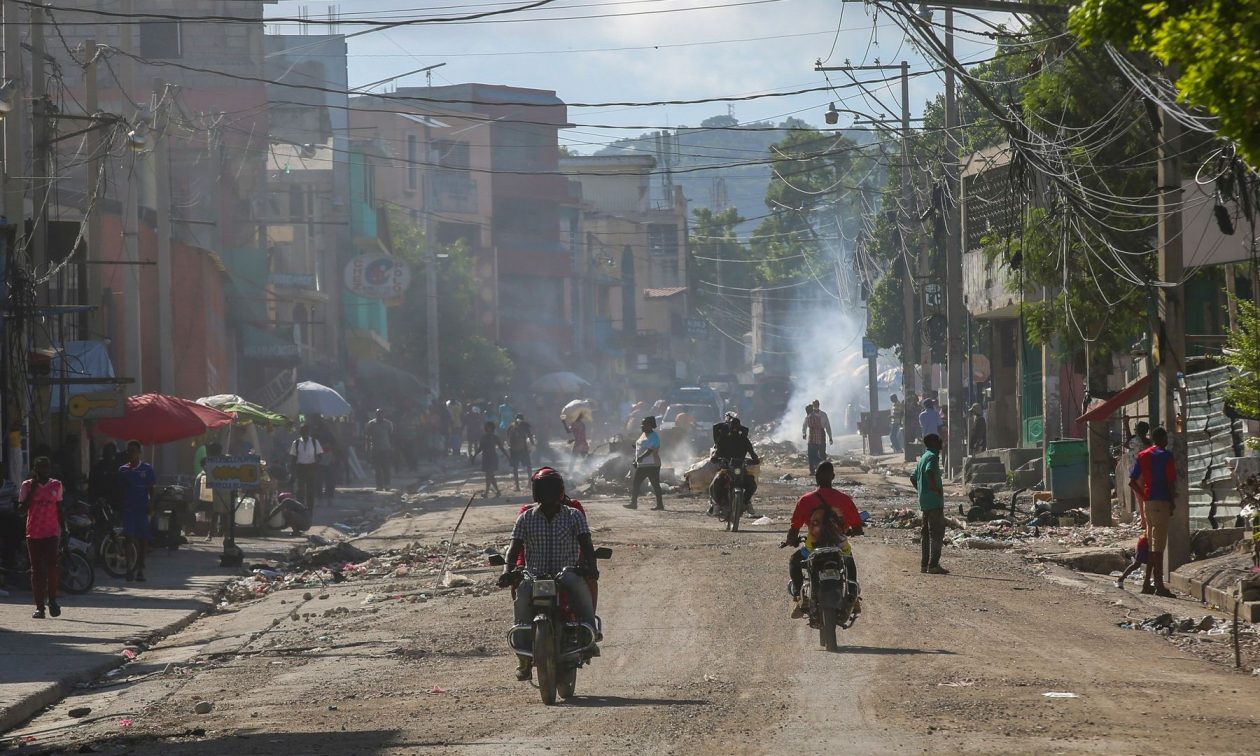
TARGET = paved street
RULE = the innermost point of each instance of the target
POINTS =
(700, 657)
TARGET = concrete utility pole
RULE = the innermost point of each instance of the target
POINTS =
(90, 322)
(128, 182)
(956, 314)
(41, 165)
(430, 277)
(1099, 440)
(1172, 336)
(14, 129)
(162, 206)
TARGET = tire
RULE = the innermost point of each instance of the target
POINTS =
(77, 573)
(567, 683)
(118, 555)
(545, 661)
(827, 633)
(737, 508)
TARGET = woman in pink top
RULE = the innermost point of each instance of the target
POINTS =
(40, 498)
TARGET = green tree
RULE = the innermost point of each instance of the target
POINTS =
(1213, 44)
(1244, 354)
(718, 259)
(471, 365)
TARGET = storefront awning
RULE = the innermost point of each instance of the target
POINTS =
(1103, 410)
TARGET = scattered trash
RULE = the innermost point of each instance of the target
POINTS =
(966, 682)
(124, 723)
(762, 520)
(79, 712)
(128, 654)
(452, 580)
(1058, 694)
(437, 690)
(203, 707)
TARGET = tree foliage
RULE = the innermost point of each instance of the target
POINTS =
(1244, 354)
(471, 365)
(1214, 45)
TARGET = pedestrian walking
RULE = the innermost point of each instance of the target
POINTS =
(40, 499)
(1154, 480)
(519, 436)
(896, 423)
(647, 464)
(137, 480)
(472, 428)
(380, 444)
(815, 435)
(455, 411)
(581, 447)
(928, 482)
(930, 419)
(305, 453)
(911, 430)
(489, 447)
(826, 423)
(978, 437)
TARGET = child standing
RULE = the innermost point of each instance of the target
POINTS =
(1140, 558)
(40, 499)
(488, 448)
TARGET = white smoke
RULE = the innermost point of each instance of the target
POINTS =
(827, 365)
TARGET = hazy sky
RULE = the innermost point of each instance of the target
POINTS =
(653, 55)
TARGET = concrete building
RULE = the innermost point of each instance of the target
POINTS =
(631, 275)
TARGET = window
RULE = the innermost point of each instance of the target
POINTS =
(412, 159)
(161, 39)
(297, 204)
(663, 240)
(452, 155)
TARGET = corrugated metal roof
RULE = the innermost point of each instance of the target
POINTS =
(663, 293)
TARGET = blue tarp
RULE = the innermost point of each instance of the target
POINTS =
(80, 359)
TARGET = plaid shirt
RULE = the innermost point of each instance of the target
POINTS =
(550, 545)
(815, 427)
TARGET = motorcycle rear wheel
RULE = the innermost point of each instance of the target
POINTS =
(567, 683)
(77, 573)
(118, 555)
(736, 509)
(827, 633)
(545, 661)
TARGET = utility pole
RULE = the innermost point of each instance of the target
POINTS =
(128, 182)
(956, 314)
(41, 165)
(431, 259)
(162, 206)
(1171, 338)
(909, 354)
(14, 125)
(89, 274)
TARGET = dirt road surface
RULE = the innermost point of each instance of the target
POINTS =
(700, 656)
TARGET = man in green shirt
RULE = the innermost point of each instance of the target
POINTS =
(927, 481)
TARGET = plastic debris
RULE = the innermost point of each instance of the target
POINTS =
(762, 520)
(437, 690)
(452, 580)
(1059, 694)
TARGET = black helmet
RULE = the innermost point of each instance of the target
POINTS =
(546, 483)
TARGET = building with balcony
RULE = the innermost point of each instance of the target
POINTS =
(631, 273)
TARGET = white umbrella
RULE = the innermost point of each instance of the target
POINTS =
(560, 383)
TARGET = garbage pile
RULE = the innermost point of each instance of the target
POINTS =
(319, 563)
(1167, 624)
(780, 453)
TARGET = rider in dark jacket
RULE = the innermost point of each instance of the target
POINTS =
(730, 441)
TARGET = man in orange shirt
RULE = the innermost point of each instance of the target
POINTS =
(823, 496)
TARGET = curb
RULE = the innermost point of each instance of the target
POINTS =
(29, 706)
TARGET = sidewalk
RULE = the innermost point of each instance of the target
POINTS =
(42, 659)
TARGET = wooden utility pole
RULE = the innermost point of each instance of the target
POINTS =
(956, 314)
(1171, 338)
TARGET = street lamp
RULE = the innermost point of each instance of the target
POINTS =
(138, 137)
(832, 116)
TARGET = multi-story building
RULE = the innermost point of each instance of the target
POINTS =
(631, 284)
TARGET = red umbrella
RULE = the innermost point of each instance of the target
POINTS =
(160, 419)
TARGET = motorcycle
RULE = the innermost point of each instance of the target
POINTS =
(75, 571)
(829, 594)
(169, 506)
(98, 525)
(556, 641)
(728, 493)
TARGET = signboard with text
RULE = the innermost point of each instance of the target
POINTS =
(243, 471)
(377, 276)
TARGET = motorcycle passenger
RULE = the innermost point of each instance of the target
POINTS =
(544, 474)
(813, 509)
(553, 537)
(730, 442)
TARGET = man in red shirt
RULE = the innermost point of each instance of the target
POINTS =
(806, 506)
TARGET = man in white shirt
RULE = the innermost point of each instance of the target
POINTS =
(929, 419)
(305, 454)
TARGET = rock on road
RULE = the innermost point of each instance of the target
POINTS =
(700, 656)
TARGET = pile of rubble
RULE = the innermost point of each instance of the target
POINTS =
(319, 563)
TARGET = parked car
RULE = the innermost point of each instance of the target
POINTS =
(701, 431)
(698, 395)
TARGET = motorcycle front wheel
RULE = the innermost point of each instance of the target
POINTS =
(118, 555)
(827, 633)
(77, 573)
(545, 661)
(567, 683)
(737, 509)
